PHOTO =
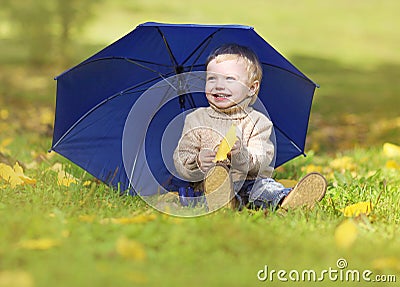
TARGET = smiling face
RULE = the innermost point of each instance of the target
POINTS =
(227, 82)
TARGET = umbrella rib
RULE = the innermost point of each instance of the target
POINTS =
(137, 63)
(291, 141)
(171, 55)
(151, 70)
(128, 90)
(302, 77)
(134, 61)
(208, 38)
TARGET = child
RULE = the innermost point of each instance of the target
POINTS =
(233, 80)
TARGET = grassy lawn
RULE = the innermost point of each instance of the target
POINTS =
(63, 228)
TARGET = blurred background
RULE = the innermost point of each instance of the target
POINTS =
(350, 48)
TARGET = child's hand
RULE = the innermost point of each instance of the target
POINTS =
(205, 159)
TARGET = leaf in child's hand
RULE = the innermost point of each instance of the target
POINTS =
(226, 144)
(357, 209)
(391, 150)
(346, 234)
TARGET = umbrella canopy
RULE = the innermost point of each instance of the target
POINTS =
(114, 109)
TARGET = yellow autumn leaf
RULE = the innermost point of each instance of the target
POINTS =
(16, 278)
(391, 150)
(4, 113)
(38, 244)
(3, 145)
(87, 183)
(226, 144)
(63, 177)
(66, 179)
(130, 249)
(142, 218)
(391, 164)
(20, 173)
(312, 168)
(343, 163)
(46, 116)
(356, 209)
(385, 263)
(8, 174)
(346, 234)
(288, 183)
(87, 218)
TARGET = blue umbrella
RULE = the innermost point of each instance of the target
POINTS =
(113, 109)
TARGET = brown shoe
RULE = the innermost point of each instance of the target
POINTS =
(309, 190)
(218, 188)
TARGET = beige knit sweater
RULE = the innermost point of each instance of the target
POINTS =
(204, 128)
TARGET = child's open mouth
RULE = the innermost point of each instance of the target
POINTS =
(220, 97)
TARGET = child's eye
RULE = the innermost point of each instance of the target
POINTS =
(229, 78)
(210, 78)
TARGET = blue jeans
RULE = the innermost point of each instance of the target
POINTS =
(260, 193)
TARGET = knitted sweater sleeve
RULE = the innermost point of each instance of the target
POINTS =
(257, 150)
(186, 153)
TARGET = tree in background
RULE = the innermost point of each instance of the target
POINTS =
(45, 27)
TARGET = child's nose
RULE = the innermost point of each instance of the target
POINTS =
(220, 84)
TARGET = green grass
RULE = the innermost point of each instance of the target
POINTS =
(349, 48)
(225, 248)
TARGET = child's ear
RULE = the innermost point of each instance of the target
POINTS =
(253, 89)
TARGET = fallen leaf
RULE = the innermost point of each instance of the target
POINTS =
(392, 164)
(66, 179)
(14, 176)
(312, 168)
(20, 173)
(143, 218)
(46, 116)
(38, 244)
(391, 150)
(8, 174)
(3, 145)
(357, 209)
(4, 113)
(343, 163)
(226, 144)
(63, 177)
(87, 183)
(288, 183)
(346, 234)
(130, 249)
(87, 218)
(384, 263)
(16, 278)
